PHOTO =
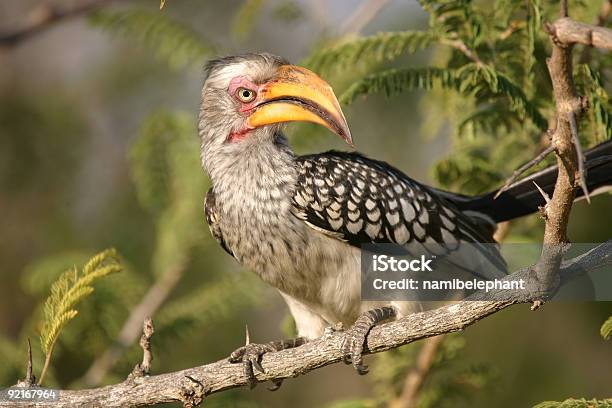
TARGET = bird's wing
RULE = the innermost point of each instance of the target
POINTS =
(212, 218)
(361, 201)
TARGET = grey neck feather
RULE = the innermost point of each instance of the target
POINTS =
(250, 173)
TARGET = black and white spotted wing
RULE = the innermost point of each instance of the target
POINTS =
(360, 201)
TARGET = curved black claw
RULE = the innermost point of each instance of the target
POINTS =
(250, 356)
(276, 384)
(354, 342)
(352, 349)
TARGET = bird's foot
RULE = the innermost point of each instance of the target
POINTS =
(250, 356)
(354, 343)
(251, 353)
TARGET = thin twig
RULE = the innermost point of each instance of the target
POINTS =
(563, 10)
(513, 27)
(515, 175)
(43, 17)
(144, 368)
(29, 379)
(579, 156)
(149, 304)
(415, 379)
(319, 14)
(567, 32)
(362, 16)
(459, 45)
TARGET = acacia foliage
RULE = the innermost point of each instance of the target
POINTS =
(486, 78)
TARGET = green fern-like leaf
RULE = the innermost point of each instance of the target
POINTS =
(501, 84)
(375, 48)
(598, 113)
(455, 16)
(534, 25)
(486, 120)
(606, 329)
(471, 79)
(68, 291)
(167, 173)
(576, 403)
(152, 157)
(38, 276)
(396, 81)
(173, 42)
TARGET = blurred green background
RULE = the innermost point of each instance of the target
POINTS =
(98, 149)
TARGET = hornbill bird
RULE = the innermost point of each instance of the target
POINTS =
(299, 221)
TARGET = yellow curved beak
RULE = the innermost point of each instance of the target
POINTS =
(298, 94)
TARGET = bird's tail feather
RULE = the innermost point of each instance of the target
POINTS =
(523, 198)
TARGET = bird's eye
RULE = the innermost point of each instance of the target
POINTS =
(245, 95)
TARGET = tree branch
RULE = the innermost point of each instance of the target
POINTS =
(458, 44)
(190, 386)
(43, 17)
(416, 377)
(144, 368)
(29, 379)
(515, 175)
(571, 32)
(564, 33)
(152, 300)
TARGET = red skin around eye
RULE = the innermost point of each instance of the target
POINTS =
(242, 82)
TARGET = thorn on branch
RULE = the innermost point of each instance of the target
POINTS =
(515, 175)
(29, 379)
(144, 368)
(543, 209)
(571, 117)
